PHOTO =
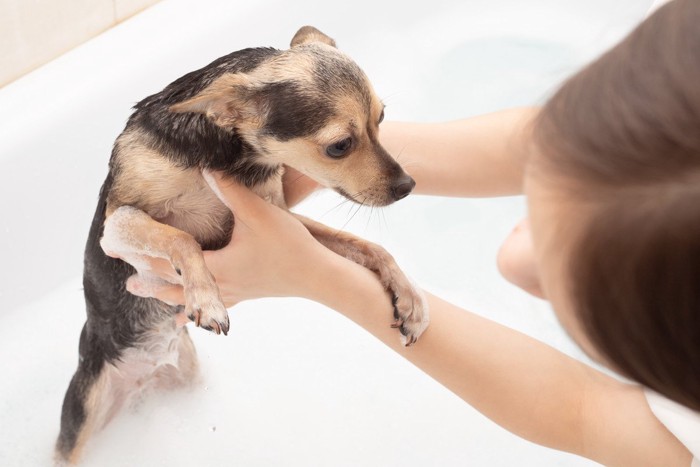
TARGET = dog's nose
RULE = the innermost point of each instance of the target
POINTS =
(402, 187)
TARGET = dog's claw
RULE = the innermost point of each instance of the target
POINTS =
(397, 319)
(206, 309)
(394, 301)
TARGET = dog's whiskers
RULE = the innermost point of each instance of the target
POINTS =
(410, 164)
(359, 206)
(369, 218)
(296, 179)
(398, 156)
(345, 200)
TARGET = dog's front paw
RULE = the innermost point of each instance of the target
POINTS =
(410, 312)
(205, 308)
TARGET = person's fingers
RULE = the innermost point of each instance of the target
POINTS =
(239, 199)
(153, 287)
(171, 294)
(181, 319)
(162, 268)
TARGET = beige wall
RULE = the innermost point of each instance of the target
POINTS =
(32, 32)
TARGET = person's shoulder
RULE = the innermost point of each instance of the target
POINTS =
(682, 421)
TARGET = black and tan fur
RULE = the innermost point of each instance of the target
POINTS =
(247, 114)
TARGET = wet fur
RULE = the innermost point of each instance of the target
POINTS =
(130, 344)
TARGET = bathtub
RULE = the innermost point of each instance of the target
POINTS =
(294, 383)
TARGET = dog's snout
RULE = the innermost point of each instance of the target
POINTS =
(402, 187)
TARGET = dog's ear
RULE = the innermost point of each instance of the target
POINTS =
(309, 34)
(230, 101)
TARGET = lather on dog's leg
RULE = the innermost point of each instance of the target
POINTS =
(130, 233)
(101, 386)
(410, 306)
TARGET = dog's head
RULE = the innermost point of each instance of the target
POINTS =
(311, 108)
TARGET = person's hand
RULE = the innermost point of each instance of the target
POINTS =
(271, 254)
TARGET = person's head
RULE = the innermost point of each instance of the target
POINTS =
(613, 186)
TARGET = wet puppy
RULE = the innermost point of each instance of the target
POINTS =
(247, 114)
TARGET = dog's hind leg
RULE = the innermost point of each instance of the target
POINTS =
(410, 306)
(184, 370)
(164, 359)
(130, 234)
(88, 403)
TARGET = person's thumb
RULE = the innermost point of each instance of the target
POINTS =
(237, 197)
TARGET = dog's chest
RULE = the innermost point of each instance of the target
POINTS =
(197, 210)
(177, 196)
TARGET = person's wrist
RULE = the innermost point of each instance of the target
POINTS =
(341, 284)
(321, 276)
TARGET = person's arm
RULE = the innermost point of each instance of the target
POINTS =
(473, 157)
(478, 156)
(524, 385)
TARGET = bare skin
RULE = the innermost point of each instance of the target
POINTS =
(569, 406)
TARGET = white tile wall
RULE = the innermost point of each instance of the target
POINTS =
(32, 32)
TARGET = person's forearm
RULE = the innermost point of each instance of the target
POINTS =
(489, 366)
(478, 156)
(522, 384)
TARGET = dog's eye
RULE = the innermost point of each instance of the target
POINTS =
(340, 148)
(381, 117)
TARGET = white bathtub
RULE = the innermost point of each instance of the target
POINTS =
(294, 383)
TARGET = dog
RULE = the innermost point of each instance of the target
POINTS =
(248, 115)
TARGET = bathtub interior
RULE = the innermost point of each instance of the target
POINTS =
(294, 383)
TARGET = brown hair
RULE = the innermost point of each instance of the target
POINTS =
(626, 131)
